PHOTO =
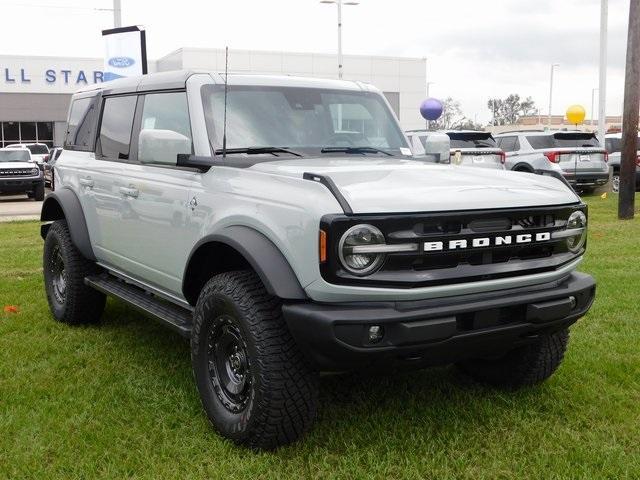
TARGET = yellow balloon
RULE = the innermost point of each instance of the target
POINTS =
(576, 114)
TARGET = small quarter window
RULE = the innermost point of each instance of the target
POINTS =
(80, 132)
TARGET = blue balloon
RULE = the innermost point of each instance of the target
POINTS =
(431, 109)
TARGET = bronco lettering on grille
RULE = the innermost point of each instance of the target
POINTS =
(480, 242)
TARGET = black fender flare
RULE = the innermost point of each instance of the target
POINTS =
(264, 257)
(64, 204)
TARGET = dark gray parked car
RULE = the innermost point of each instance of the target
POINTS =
(613, 143)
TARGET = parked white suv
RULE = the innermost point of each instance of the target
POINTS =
(39, 151)
(18, 174)
(283, 226)
(577, 156)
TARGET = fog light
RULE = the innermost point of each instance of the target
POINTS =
(376, 332)
(573, 301)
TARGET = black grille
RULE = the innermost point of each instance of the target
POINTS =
(422, 268)
(16, 172)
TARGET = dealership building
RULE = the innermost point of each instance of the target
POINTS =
(35, 91)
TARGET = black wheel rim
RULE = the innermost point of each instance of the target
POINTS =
(58, 275)
(229, 366)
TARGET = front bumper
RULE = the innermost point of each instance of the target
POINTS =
(435, 331)
(19, 185)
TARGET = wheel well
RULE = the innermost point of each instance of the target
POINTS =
(51, 210)
(208, 260)
(522, 167)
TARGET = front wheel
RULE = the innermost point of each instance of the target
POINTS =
(615, 182)
(256, 387)
(527, 365)
(38, 192)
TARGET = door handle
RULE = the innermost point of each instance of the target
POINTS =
(86, 182)
(129, 192)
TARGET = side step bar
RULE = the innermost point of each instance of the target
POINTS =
(173, 316)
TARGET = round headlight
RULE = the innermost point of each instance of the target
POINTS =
(35, 171)
(578, 222)
(355, 249)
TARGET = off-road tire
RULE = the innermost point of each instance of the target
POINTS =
(615, 182)
(78, 304)
(527, 365)
(281, 399)
(38, 192)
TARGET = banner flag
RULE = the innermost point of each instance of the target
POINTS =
(125, 52)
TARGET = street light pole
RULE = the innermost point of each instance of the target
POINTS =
(428, 85)
(117, 14)
(553, 66)
(593, 97)
(339, 4)
(602, 84)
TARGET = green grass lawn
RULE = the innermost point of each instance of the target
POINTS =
(118, 400)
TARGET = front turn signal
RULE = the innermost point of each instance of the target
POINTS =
(322, 246)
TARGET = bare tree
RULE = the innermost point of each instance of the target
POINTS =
(508, 111)
(451, 115)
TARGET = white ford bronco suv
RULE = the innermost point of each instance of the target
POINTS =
(282, 225)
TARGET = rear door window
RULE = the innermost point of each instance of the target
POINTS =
(509, 144)
(115, 128)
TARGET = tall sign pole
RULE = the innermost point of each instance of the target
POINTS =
(626, 201)
(602, 84)
(117, 14)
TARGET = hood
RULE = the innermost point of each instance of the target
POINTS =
(12, 165)
(396, 185)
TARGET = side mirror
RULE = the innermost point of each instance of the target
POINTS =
(161, 147)
(438, 147)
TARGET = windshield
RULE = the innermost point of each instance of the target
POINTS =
(38, 149)
(14, 156)
(305, 120)
(472, 140)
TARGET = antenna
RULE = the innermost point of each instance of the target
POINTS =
(224, 121)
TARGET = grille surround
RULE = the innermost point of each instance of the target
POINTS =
(17, 172)
(424, 268)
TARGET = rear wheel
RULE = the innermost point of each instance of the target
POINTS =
(527, 365)
(257, 388)
(65, 269)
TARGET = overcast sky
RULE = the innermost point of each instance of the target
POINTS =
(476, 48)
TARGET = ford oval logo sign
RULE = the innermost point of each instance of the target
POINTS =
(121, 62)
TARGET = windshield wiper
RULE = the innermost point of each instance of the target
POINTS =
(257, 150)
(355, 150)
